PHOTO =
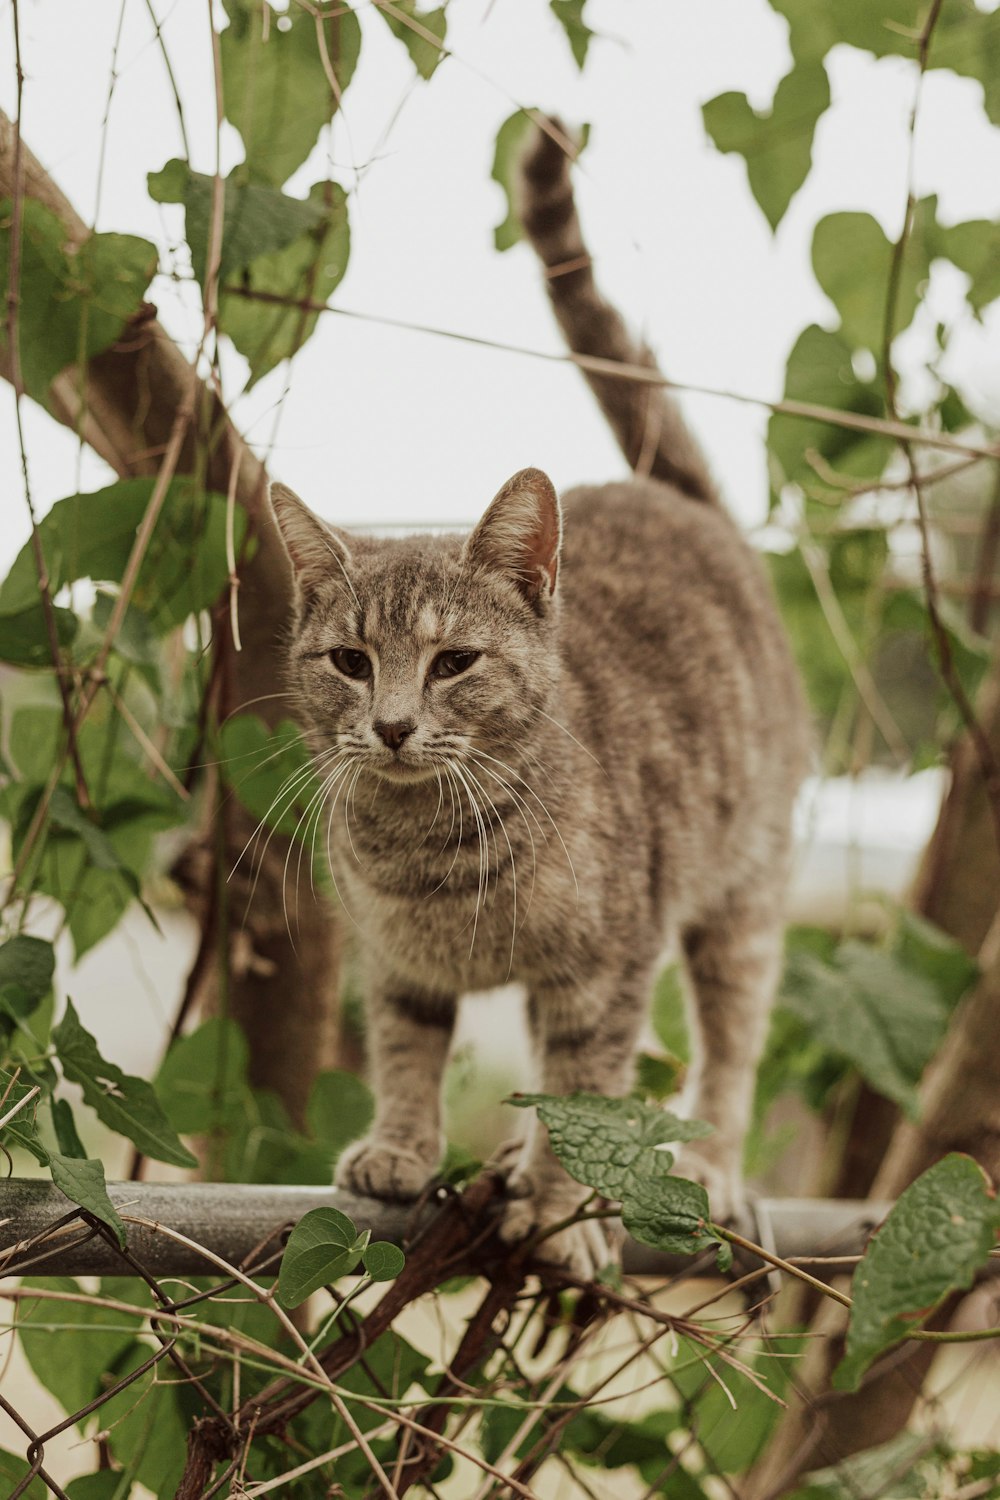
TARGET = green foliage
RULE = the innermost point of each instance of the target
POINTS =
(511, 139)
(608, 1143)
(91, 536)
(270, 771)
(616, 1147)
(777, 145)
(26, 968)
(276, 89)
(74, 301)
(382, 1261)
(936, 1238)
(323, 1246)
(569, 14)
(83, 1182)
(125, 1104)
(421, 32)
(866, 1006)
(73, 1369)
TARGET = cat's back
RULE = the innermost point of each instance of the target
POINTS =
(669, 619)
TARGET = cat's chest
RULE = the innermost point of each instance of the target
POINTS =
(465, 914)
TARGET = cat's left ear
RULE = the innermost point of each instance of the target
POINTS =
(520, 535)
(314, 549)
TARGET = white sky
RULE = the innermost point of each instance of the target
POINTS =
(391, 427)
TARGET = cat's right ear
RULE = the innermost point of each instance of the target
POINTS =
(314, 549)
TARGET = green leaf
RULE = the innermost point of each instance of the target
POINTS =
(275, 85)
(511, 139)
(937, 1236)
(569, 14)
(339, 1109)
(733, 1443)
(425, 53)
(83, 1182)
(974, 247)
(608, 1143)
(65, 814)
(21, 1130)
(820, 371)
(148, 1424)
(383, 1261)
(932, 953)
(24, 637)
(91, 536)
(127, 1105)
(73, 303)
(669, 1016)
(26, 968)
(270, 770)
(669, 1213)
(72, 1362)
(15, 1469)
(855, 562)
(308, 269)
(865, 1006)
(202, 1081)
(888, 1472)
(67, 1136)
(852, 258)
(323, 1246)
(103, 1484)
(257, 219)
(777, 146)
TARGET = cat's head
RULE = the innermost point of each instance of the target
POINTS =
(410, 654)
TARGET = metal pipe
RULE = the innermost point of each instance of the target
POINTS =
(233, 1220)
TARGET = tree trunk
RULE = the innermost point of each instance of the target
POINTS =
(960, 1111)
(283, 992)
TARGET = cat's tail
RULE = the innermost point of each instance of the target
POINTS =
(645, 419)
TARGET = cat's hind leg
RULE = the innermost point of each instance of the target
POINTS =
(733, 963)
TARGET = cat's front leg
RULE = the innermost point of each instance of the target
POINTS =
(409, 1034)
(585, 1039)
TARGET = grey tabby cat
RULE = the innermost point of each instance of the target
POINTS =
(553, 756)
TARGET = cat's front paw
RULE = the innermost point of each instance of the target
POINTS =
(583, 1249)
(375, 1168)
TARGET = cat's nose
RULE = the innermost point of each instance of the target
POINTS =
(395, 733)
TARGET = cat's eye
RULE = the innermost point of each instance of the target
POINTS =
(452, 663)
(352, 663)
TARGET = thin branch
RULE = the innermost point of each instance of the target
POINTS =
(618, 370)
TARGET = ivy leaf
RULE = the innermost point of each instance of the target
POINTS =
(24, 637)
(889, 1470)
(202, 1081)
(511, 139)
(73, 302)
(777, 146)
(939, 1233)
(852, 258)
(125, 1104)
(21, 1130)
(608, 1143)
(671, 1214)
(64, 1125)
(974, 247)
(409, 24)
(569, 14)
(323, 1246)
(383, 1261)
(17, 1470)
(308, 269)
(820, 370)
(865, 1006)
(83, 1182)
(339, 1109)
(26, 968)
(91, 536)
(71, 1364)
(270, 770)
(275, 85)
(256, 219)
